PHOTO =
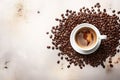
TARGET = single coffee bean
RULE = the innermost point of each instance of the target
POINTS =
(111, 65)
(53, 48)
(5, 67)
(68, 66)
(48, 47)
(118, 12)
(47, 32)
(104, 10)
(110, 61)
(113, 11)
(38, 12)
(58, 62)
(61, 58)
(50, 36)
(118, 50)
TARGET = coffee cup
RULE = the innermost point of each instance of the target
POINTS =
(85, 38)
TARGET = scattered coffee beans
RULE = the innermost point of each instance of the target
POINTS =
(107, 24)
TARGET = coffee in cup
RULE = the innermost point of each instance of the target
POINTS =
(86, 37)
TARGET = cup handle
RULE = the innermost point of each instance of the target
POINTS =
(103, 36)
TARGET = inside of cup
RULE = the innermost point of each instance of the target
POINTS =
(87, 37)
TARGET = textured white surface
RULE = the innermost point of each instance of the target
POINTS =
(23, 41)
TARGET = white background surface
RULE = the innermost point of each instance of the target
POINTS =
(23, 41)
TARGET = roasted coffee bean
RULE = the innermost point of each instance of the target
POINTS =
(111, 65)
(92, 7)
(70, 11)
(98, 10)
(80, 67)
(107, 24)
(47, 32)
(66, 58)
(66, 14)
(57, 48)
(104, 10)
(58, 62)
(58, 54)
(118, 12)
(6, 67)
(57, 19)
(102, 65)
(68, 66)
(95, 6)
(118, 50)
(83, 8)
(48, 47)
(50, 36)
(98, 5)
(67, 10)
(113, 11)
(61, 58)
(110, 61)
(38, 12)
(53, 48)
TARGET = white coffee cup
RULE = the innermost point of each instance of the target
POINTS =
(86, 50)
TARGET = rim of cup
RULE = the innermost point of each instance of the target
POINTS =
(76, 29)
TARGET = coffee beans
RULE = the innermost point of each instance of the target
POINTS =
(107, 24)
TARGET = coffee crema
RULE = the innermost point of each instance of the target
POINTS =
(86, 37)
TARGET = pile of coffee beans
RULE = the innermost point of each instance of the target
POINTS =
(108, 24)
